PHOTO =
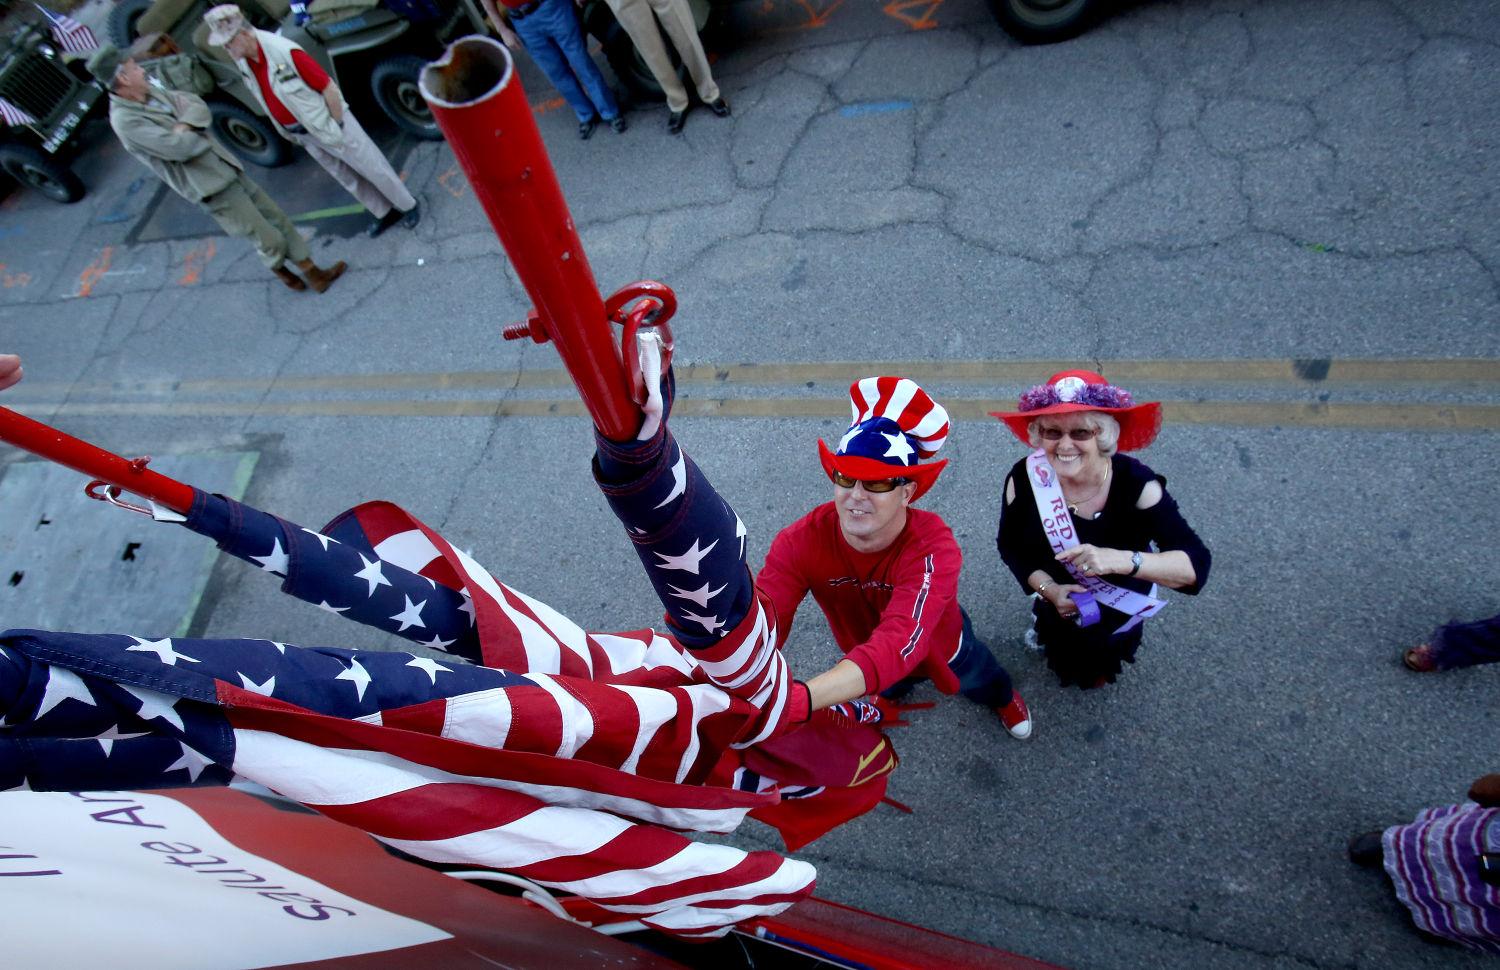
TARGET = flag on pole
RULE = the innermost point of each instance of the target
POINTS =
(14, 115)
(570, 783)
(71, 36)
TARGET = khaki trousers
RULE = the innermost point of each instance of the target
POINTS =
(358, 165)
(636, 17)
(243, 209)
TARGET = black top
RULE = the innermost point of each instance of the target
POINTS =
(1120, 525)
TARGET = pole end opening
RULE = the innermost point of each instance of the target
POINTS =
(470, 70)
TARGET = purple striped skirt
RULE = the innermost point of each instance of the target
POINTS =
(1434, 864)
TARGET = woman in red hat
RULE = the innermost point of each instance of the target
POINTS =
(1088, 530)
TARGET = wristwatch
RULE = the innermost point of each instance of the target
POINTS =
(1135, 563)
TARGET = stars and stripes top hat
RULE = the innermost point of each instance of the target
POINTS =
(1083, 390)
(896, 425)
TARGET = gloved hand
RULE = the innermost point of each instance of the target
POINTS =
(795, 712)
(850, 713)
(892, 711)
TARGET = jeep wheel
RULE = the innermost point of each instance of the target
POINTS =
(249, 136)
(1044, 21)
(34, 167)
(123, 18)
(394, 84)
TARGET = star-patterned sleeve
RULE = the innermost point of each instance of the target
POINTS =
(925, 584)
(782, 582)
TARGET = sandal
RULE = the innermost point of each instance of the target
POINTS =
(1419, 659)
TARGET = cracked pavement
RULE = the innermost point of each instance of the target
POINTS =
(1201, 179)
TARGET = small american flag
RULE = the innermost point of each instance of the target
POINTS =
(14, 115)
(71, 36)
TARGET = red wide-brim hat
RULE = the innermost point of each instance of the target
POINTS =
(1072, 391)
(870, 470)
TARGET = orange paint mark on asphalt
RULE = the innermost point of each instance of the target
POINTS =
(9, 279)
(817, 15)
(94, 271)
(453, 181)
(924, 21)
(192, 265)
(542, 107)
(818, 12)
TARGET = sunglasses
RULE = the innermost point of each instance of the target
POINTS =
(879, 485)
(1077, 434)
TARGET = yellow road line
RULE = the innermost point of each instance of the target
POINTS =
(1465, 417)
(1015, 372)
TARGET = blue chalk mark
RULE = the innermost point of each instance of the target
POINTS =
(873, 108)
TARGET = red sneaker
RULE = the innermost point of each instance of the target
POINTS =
(1016, 717)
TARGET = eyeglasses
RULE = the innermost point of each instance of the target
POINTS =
(1077, 434)
(879, 485)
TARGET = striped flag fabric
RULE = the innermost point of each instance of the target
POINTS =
(71, 36)
(13, 115)
(579, 786)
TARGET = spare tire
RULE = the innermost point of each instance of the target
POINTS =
(123, 18)
(248, 135)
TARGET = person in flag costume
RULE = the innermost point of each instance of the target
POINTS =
(1076, 510)
(886, 574)
(574, 759)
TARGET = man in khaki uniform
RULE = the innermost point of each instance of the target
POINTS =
(167, 131)
(305, 105)
(639, 18)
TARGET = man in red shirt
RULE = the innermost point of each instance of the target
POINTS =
(886, 574)
(306, 107)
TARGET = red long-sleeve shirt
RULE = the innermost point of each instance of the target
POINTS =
(893, 612)
(308, 69)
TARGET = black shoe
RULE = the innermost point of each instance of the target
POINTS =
(720, 107)
(384, 222)
(675, 121)
(586, 128)
(1366, 850)
(618, 124)
(412, 216)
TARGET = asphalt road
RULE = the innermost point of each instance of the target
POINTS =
(1279, 218)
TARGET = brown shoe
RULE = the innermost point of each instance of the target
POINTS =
(321, 279)
(292, 280)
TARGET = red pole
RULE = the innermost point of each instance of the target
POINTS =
(478, 102)
(77, 454)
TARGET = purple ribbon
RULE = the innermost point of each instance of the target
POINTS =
(1088, 610)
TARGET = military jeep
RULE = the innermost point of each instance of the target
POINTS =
(47, 101)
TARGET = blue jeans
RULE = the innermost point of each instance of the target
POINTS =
(555, 41)
(980, 677)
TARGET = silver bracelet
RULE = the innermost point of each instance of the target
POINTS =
(1043, 588)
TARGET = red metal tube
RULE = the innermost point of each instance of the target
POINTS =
(77, 454)
(478, 102)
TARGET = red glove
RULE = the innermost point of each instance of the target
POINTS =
(797, 710)
(891, 711)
